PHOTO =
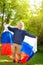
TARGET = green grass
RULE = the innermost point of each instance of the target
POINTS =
(37, 59)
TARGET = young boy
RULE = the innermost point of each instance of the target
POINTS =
(18, 37)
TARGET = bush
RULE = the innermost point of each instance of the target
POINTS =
(40, 42)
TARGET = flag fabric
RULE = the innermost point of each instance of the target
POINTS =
(29, 48)
(6, 43)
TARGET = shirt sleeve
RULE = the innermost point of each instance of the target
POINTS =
(11, 29)
(30, 35)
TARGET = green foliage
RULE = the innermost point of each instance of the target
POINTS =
(40, 41)
(15, 10)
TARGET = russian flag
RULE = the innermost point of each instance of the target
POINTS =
(6, 43)
(29, 48)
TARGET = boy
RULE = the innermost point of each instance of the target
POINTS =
(18, 37)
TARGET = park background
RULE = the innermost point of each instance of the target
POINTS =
(31, 13)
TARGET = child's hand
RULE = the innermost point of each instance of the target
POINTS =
(5, 25)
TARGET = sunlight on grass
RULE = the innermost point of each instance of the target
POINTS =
(5, 60)
(38, 64)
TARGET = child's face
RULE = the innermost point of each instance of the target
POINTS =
(19, 25)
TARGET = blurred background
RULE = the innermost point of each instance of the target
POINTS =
(28, 11)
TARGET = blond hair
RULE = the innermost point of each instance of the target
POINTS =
(22, 24)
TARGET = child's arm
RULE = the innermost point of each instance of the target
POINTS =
(30, 35)
(11, 28)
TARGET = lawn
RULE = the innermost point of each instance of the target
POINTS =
(37, 59)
